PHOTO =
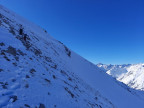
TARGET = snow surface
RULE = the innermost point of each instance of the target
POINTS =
(132, 75)
(42, 72)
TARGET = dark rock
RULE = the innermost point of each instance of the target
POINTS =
(1, 70)
(4, 86)
(48, 93)
(63, 72)
(2, 52)
(15, 64)
(7, 58)
(14, 98)
(91, 104)
(30, 58)
(13, 80)
(96, 98)
(72, 95)
(27, 86)
(54, 77)
(32, 70)
(27, 76)
(27, 45)
(6, 83)
(20, 52)
(47, 80)
(42, 106)
(67, 51)
(54, 66)
(37, 51)
(100, 106)
(2, 44)
(20, 31)
(69, 79)
(11, 30)
(48, 59)
(11, 50)
(16, 58)
(1, 83)
(26, 105)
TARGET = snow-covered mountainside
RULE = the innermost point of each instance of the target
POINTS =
(132, 75)
(41, 72)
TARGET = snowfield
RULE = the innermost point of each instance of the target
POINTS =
(132, 75)
(42, 72)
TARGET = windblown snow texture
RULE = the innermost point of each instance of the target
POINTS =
(41, 72)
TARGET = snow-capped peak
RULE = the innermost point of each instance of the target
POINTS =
(41, 72)
(132, 75)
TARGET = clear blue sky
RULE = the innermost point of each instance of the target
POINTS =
(106, 31)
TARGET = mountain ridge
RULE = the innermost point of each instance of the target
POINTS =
(42, 72)
(130, 74)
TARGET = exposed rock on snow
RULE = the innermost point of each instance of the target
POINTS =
(42, 72)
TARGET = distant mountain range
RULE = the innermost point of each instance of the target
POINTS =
(131, 75)
(37, 71)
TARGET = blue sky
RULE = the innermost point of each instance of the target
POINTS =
(106, 31)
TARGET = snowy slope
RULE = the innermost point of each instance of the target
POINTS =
(114, 70)
(132, 75)
(44, 73)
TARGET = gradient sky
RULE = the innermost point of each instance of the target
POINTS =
(106, 31)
